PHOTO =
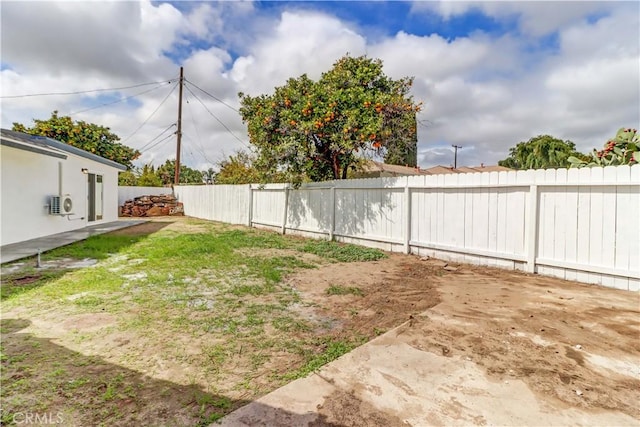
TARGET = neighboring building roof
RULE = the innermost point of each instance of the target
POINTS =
(372, 167)
(384, 169)
(50, 147)
(439, 170)
(483, 168)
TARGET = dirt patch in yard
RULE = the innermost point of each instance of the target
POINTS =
(571, 343)
(147, 228)
(574, 343)
(377, 296)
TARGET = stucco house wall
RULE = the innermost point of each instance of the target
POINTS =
(29, 179)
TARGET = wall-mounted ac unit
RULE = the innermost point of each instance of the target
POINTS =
(61, 205)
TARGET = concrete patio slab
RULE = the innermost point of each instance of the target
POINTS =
(420, 374)
(390, 381)
(16, 251)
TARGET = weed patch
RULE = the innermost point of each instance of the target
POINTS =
(342, 252)
(326, 350)
(344, 290)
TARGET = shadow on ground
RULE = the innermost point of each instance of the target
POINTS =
(44, 379)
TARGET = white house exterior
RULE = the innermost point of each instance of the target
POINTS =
(50, 187)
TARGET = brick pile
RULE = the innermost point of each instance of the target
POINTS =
(161, 205)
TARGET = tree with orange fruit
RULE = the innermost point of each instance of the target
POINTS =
(319, 130)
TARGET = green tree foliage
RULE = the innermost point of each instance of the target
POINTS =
(403, 144)
(541, 152)
(319, 130)
(127, 179)
(166, 173)
(87, 136)
(623, 149)
(209, 175)
(239, 169)
(148, 177)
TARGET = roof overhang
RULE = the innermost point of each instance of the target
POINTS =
(50, 147)
(31, 148)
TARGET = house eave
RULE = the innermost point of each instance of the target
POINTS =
(31, 148)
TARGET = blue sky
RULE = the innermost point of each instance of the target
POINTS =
(490, 74)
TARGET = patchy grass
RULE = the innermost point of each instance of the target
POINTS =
(342, 252)
(14, 284)
(195, 308)
(344, 290)
(330, 349)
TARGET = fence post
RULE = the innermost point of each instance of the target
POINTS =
(407, 218)
(332, 219)
(532, 230)
(286, 207)
(250, 207)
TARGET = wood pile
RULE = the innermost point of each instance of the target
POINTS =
(160, 205)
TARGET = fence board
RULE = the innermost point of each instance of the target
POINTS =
(582, 224)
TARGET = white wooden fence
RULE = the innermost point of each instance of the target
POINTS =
(128, 192)
(578, 224)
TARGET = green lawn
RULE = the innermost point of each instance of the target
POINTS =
(176, 327)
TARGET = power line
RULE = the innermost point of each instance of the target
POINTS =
(200, 150)
(119, 100)
(424, 123)
(199, 146)
(151, 115)
(166, 138)
(80, 92)
(212, 96)
(158, 136)
(215, 117)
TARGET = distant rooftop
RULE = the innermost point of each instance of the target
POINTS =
(373, 167)
(436, 170)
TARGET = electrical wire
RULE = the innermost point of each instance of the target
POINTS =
(424, 123)
(79, 92)
(151, 115)
(212, 96)
(166, 138)
(199, 149)
(198, 145)
(158, 136)
(120, 100)
(215, 117)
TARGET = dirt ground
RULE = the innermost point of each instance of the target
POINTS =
(569, 342)
(575, 344)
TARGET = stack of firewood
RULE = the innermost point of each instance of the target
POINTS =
(161, 205)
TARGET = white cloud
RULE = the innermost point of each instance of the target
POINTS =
(483, 92)
(533, 17)
(300, 42)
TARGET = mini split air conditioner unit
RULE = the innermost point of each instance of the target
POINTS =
(61, 205)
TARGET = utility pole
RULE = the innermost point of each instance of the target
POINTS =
(455, 155)
(176, 178)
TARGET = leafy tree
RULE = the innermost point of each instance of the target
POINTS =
(541, 152)
(239, 169)
(403, 143)
(622, 149)
(166, 173)
(148, 177)
(209, 175)
(127, 178)
(87, 136)
(320, 130)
